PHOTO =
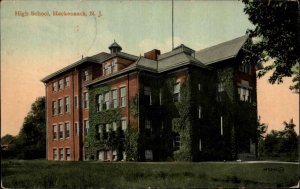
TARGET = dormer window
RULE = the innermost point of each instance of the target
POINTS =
(246, 68)
(86, 75)
(114, 65)
(107, 69)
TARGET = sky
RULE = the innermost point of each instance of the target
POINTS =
(33, 47)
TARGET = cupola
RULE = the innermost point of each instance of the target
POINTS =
(115, 48)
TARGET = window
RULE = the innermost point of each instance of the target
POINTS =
(86, 127)
(114, 65)
(114, 126)
(123, 96)
(244, 94)
(98, 131)
(148, 155)
(75, 102)
(67, 129)
(246, 68)
(54, 86)
(67, 104)
(176, 92)
(54, 108)
(60, 106)
(220, 87)
(114, 98)
(199, 87)
(99, 102)
(85, 100)
(86, 75)
(200, 112)
(107, 69)
(61, 131)
(76, 126)
(54, 132)
(67, 81)
(124, 124)
(55, 155)
(147, 93)
(68, 154)
(60, 84)
(160, 96)
(106, 101)
(61, 154)
(107, 127)
(177, 142)
(114, 155)
(147, 127)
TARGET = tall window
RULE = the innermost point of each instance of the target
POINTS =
(148, 127)
(67, 81)
(148, 155)
(86, 75)
(54, 108)
(54, 132)
(67, 104)
(114, 98)
(199, 86)
(106, 101)
(220, 92)
(123, 96)
(107, 127)
(67, 129)
(200, 112)
(176, 92)
(60, 106)
(61, 154)
(177, 142)
(61, 131)
(147, 94)
(114, 126)
(54, 86)
(85, 100)
(124, 124)
(99, 102)
(68, 154)
(60, 84)
(244, 94)
(76, 126)
(246, 68)
(86, 127)
(220, 87)
(114, 65)
(55, 154)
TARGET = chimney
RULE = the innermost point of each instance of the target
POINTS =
(153, 54)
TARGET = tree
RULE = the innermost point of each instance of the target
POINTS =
(261, 130)
(275, 36)
(31, 140)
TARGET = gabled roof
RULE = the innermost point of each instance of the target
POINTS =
(115, 45)
(222, 51)
(98, 58)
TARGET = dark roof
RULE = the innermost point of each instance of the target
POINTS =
(98, 58)
(222, 51)
(115, 45)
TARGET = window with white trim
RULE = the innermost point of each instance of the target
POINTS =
(86, 75)
(60, 84)
(220, 87)
(86, 127)
(114, 126)
(177, 141)
(199, 86)
(148, 154)
(246, 68)
(68, 154)
(244, 94)
(107, 69)
(54, 86)
(54, 108)
(107, 127)
(61, 154)
(67, 81)
(55, 154)
(60, 106)
(114, 98)
(148, 128)
(124, 124)
(147, 94)
(61, 131)
(123, 96)
(99, 101)
(54, 132)
(67, 125)
(114, 65)
(106, 101)
(67, 104)
(200, 112)
(176, 92)
(85, 100)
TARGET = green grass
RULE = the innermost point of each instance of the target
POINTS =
(50, 174)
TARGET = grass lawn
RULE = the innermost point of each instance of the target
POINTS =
(52, 174)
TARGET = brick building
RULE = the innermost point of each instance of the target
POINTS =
(182, 105)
